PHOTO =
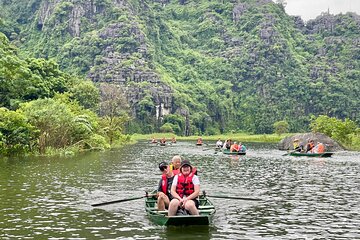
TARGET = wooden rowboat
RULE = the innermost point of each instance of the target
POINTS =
(227, 151)
(206, 210)
(298, 154)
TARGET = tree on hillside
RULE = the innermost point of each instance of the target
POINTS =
(113, 109)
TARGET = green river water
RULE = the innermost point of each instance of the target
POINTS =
(303, 198)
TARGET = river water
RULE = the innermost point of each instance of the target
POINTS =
(303, 198)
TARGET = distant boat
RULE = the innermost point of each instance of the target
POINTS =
(299, 154)
(227, 151)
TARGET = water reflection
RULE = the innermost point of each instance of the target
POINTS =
(304, 198)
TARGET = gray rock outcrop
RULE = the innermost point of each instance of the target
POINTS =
(331, 145)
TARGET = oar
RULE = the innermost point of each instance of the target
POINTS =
(232, 197)
(118, 201)
(205, 149)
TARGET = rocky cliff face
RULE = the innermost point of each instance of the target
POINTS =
(331, 145)
(122, 65)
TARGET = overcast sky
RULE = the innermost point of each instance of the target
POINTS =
(310, 9)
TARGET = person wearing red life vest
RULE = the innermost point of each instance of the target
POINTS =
(163, 194)
(185, 190)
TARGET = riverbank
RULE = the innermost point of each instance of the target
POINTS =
(241, 137)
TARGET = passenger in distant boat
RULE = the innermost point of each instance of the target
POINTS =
(227, 144)
(310, 146)
(153, 140)
(175, 164)
(234, 147)
(163, 194)
(199, 141)
(163, 140)
(297, 146)
(242, 147)
(319, 148)
(173, 140)
(219, 143)
(185, 190)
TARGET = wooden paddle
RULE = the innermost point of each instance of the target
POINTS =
(205, 149)
(232, 197)
(120, 200)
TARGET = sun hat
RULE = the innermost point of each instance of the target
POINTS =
(185, 163)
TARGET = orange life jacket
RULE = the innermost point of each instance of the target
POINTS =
(320, 148)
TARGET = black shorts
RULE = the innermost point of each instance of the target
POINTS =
(196, 203)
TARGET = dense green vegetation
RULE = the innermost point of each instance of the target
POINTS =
(231, 66)
(43, 109)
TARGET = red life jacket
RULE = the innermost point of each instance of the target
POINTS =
(185, 186)
(175, 171)
(164, 184)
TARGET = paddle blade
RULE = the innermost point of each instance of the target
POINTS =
(117, 201)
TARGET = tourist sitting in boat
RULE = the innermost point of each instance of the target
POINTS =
(153, 140)
(242, 147)
(319, 148)
(175, 164)
(297, 146)
(185, 190)
(163, 194)
(199, 141)
(227, 144)
(309, 146)
(234, 147)
(219, 143)
(173, 140)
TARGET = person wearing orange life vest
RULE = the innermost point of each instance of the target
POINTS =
(163, 194)
(234, 147)
(185, 190)
(310, 146)
(319, 148)
(199, 141)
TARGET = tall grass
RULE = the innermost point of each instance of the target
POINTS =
(242, 137)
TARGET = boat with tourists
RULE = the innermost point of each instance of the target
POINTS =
(206, 211)
(227, 152)
(300, 154)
